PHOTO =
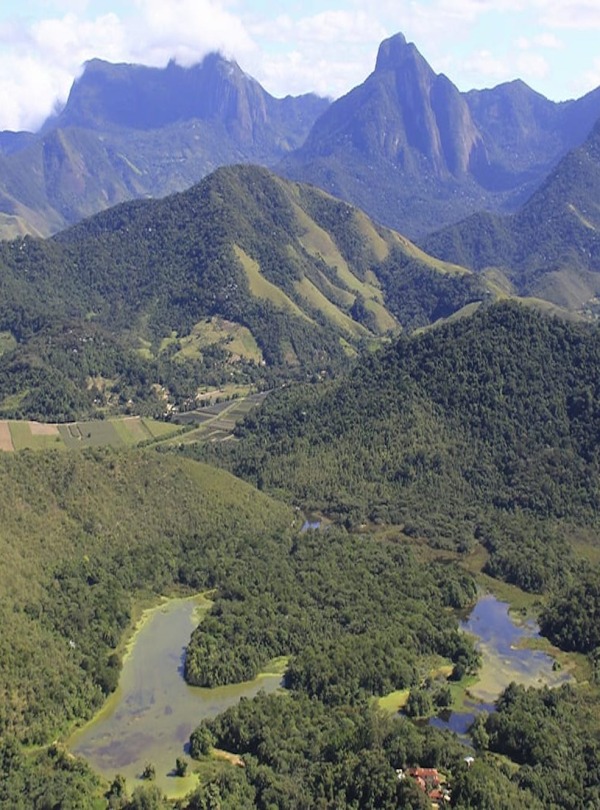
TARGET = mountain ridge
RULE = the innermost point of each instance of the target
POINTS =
(414, 152)
(131, 131)
(550, 247)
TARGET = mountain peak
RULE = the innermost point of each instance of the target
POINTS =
(393, 52)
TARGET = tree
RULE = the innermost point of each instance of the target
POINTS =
(149, 772)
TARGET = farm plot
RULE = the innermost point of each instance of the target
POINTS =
(6, 442)
(131, 430)
(34, 436)
(90, 434)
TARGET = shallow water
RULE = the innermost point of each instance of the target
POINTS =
(499, 641)
(151, 715)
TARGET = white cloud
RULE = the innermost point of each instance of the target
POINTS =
(334, 50)
(544, 40)
(582, 14)
(39, 62)
(185, 30)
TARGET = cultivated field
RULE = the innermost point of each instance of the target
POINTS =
(125, 431)
(213, 423)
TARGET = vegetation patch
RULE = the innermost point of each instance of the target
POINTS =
(90, 434)
(309, 291)
(131, 430)
(261, 287)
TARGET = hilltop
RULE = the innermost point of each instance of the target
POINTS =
(242, 277)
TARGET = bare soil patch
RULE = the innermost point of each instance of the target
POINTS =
(41, 429)
(6, 442)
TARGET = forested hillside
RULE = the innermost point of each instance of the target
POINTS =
(484, 429)
(244, 276)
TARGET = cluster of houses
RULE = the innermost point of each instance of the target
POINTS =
(431, 782)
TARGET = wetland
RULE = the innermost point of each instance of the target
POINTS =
(151, 715)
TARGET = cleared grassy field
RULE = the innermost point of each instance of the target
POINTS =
(217, 423)
(237, 340)
(260, 287)
(7, 342)
(126, 431)
(131, 430)
(34, 436)
(315, 297)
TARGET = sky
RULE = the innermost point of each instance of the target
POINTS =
(324, 46)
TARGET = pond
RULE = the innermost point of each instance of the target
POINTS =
(505, 658)
(151, 715)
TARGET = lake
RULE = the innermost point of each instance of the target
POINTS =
(151, 715)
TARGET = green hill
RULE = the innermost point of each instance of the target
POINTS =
(243, 277)
(550, 248)
(484, 429)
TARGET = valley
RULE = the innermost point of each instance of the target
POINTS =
(287, 498)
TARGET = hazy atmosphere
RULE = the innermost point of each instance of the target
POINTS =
(323, 47)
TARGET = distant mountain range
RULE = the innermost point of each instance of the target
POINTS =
(406, 146)
(549, 248)
(129, 131)
(415, 153)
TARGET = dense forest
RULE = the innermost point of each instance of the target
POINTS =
(118, 311)
(481, 431)
(479, 434)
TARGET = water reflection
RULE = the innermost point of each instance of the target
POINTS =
(504, 659)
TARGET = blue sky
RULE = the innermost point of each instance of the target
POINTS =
(327, 46)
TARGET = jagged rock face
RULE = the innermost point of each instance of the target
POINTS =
(128, 131)
(404, 113)
(415, 153)
(147, 98)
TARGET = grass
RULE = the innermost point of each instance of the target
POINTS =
(435, 264)
(319, 244)
(315, 298)
(260, 287)
(384, 319)
(89, 434)
(24, 437)
(380, 247)
(233, 338)
(131, 430)
(159, 430)
(394, 701)
(7, 342)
